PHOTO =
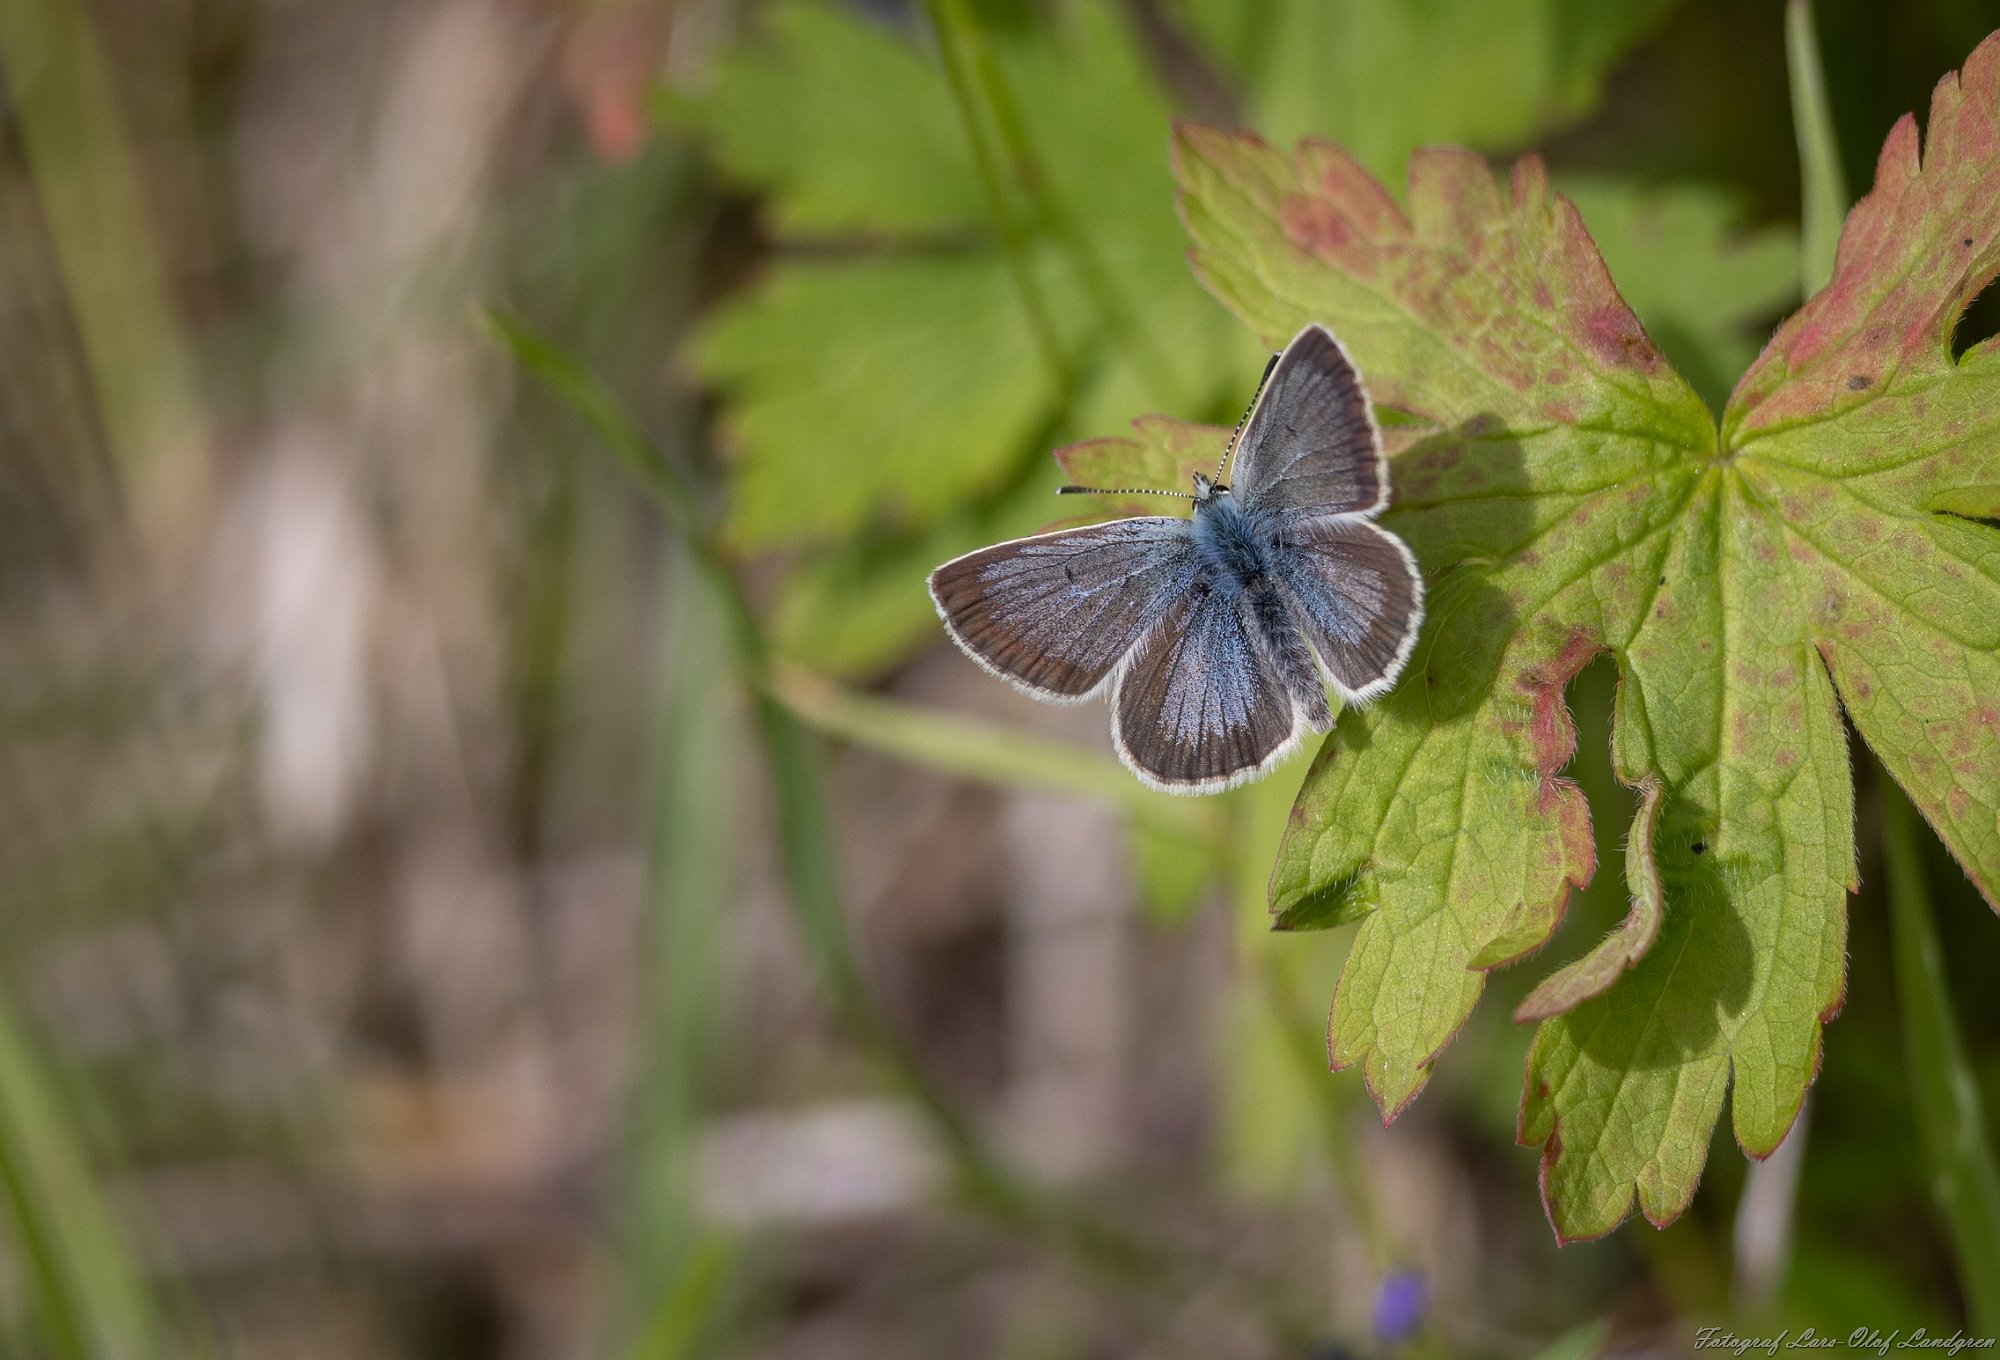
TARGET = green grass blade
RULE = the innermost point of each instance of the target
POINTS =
(1579, 1343)
(679, 1324)
(1951, 1121)
(84, 1292)
(690, 874)
(1825, 188)
(580, 390)
(988, 752)
(65, 110)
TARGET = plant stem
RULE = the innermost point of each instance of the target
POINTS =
(1307, 1046)
(1824, 189)
(1013, 234)
(969, 60)
(987, 752)
(1951, 1120)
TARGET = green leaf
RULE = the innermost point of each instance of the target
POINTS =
(1594, 973)
(843, 124)
(886, 377)
(828, 361)
(1568, 495)
(1706, 292)
(1494, 73)
(1164, 456)
(885, 386)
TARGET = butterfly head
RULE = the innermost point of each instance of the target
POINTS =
(1206, 490)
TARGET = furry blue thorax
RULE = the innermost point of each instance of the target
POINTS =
(1232, 545)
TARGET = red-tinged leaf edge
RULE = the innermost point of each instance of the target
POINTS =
(1165, 457)
(1922, 313)
(1327, 207)
(1592, 975)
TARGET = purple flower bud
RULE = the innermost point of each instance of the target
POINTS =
(1399, 1306)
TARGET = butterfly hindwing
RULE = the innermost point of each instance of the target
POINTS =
(1057, 612)
(1356, 593)
(1311, 444)
(1201, 705)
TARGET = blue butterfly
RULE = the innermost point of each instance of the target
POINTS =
(1218, 635)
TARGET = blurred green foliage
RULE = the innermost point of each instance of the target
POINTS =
(886, 397)
(1383, 80)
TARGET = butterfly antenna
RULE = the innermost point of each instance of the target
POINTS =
(1229, 449)
(1120, 491)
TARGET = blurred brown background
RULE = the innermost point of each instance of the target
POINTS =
(361, 995)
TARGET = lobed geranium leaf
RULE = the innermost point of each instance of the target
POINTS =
(882, 386)
(794, 352)
(1568, 495)
(844, 125)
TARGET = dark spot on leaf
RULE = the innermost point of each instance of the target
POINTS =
(1858, 382)
(1967, 241)
(1663, 580)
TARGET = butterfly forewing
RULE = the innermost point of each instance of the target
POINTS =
(1200, 705)
(1356, 593)
(1057, 612)
(1311, 445)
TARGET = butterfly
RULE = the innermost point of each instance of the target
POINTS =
(1217, 635)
